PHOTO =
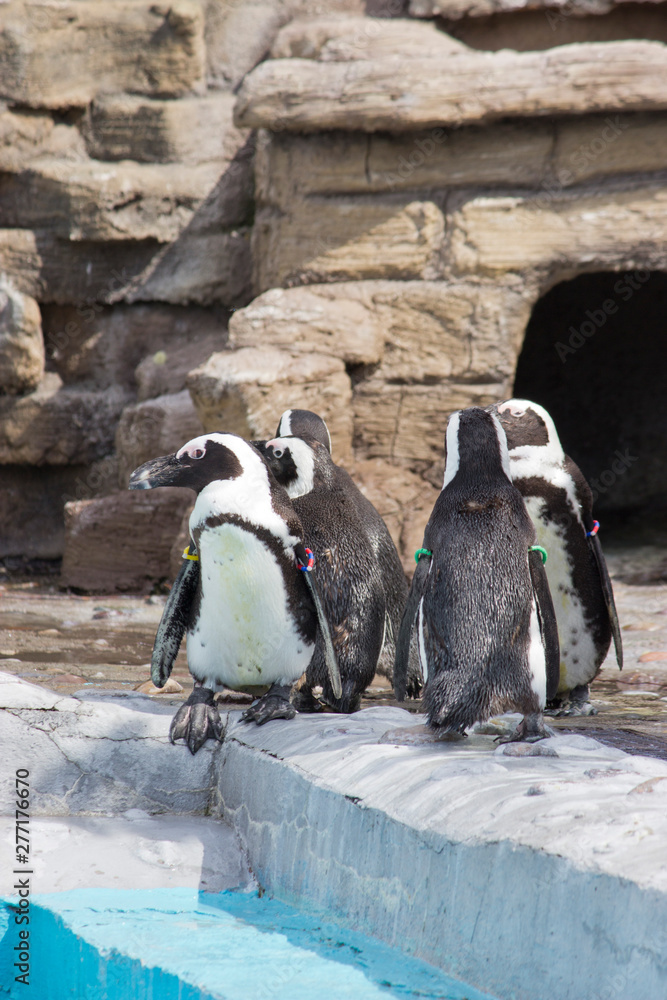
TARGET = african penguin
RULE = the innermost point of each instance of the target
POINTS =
(349, 574)
(560, 504)
(485, 622)
(248, 610)
(305, 424)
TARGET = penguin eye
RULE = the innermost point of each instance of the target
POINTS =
(278, 452)
(197, 453)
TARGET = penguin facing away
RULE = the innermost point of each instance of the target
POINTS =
(560, 504)
(485, 622)
(250, 614)
(348, 571)
(304, 424)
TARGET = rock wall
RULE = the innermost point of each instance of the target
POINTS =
(126, 206)
(396, 200)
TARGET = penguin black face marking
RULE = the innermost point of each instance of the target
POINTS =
(304, 424)
(198, 463)
(293, 462)
(523, 424)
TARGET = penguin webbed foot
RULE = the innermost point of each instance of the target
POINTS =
(275, 704)
(531, 729)
(577, 702)
(305, 702)
(197, 720)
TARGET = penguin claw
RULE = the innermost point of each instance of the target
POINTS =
(531, 729)
(270, 706)
(305, 702)
(197, 720)
(577, 702)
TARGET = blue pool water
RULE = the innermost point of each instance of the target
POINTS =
(179, 944)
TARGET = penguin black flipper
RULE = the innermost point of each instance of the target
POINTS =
(174, 622)
(608, 593)
(402, 674)
(585, 498)
(329, 652)
(547, 618)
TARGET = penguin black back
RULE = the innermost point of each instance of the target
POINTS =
(479, 622)
(348, 571)
(306, 424)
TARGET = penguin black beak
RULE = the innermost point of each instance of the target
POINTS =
(165, 471)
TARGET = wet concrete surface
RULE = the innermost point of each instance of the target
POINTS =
(69, 642)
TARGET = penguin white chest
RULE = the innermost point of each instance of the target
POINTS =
(577, 649)
(244, 634)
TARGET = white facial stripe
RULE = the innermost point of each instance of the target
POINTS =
(502, 444)
(248, 496)
(198, 442)
(541, 461)
(328, 437)
(304, 460)
(452, 466)
(285, 425)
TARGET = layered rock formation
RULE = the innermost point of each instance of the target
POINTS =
(395, 199)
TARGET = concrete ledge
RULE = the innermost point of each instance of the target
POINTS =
(526, 876)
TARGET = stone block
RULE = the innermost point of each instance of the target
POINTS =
(346, 38)
(56, 425)
(436, 330)
(549, 155)
(102, 202)
(560, 230)
(418, 331)
(21, 343)
(596, 146)
(336, 319)
(32, 501)
(407, 423)
(166, 371)
(191, 130)
(123, 541)
(244, 392)
(404, 500)
(202, 268)
(355, 238)
(455, 9)
(238, 35)
(26, 135)
(205, 269)
(153, 428)
(63, 55)
(147, 348)
(393, 94)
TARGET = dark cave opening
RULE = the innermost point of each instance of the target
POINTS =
(595, 355)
